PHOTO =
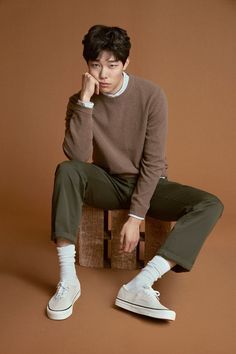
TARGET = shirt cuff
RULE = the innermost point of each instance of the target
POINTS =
(85, 104)
(137, 217)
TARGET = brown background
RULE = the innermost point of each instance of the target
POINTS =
(189, 48)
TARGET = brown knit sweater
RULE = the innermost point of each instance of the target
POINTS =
(123, 135)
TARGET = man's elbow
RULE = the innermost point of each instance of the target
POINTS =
(75, 154)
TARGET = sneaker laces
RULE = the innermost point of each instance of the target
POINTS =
(151, 292)
(62, 289)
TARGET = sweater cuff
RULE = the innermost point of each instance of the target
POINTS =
(85, 104)
(136, 217)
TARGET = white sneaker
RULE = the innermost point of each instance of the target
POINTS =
(144, 301)
(60, 306)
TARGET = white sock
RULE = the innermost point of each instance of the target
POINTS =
(154, 269)
(66, 255)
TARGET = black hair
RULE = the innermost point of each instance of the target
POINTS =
(113, 39)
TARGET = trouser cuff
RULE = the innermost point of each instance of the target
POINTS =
(181, 264)
(64, 235)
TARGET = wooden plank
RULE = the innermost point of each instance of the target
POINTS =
(120, 260)
(156, 232)
(90, 247)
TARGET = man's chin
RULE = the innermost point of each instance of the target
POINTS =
(105, 89)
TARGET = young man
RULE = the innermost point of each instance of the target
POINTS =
(119, 121)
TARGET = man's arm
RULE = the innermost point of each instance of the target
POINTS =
(152, 163)
(78, 141)
(151, 168)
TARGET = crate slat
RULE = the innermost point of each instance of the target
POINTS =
(90, 247)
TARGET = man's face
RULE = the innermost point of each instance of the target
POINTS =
(107, 71)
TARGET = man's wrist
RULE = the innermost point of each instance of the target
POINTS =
(136, 216)
(84, 97)
(134, 220)
(85, 104)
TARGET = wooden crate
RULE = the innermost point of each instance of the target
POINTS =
(99, 239)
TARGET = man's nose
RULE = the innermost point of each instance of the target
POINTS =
(103, 73)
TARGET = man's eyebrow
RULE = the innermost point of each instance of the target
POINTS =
(109, 60)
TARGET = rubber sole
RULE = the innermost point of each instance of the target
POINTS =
(62, 315)
(155, 313)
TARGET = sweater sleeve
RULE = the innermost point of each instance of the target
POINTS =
(152, 163)
(78, 140)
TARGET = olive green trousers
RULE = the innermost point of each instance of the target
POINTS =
(194, 211)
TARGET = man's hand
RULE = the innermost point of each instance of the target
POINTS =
(89, 86)
(129, 236)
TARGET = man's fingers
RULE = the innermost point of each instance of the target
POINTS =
(90, 83)
(97, 88)
(129, 238)
(122, 235)
(129, 247)
(133, 245)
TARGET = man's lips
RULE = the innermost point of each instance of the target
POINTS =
(104, 84)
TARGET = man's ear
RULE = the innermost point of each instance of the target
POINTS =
(126, 64)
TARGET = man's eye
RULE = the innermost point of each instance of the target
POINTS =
(94, 65)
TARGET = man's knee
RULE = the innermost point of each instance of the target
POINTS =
(65, 168)
(218, 205)
(213, 203)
